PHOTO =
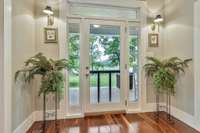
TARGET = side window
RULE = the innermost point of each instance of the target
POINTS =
(133, 64)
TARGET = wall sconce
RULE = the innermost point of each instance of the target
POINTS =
(156, 22)
(158, 19)
(50, 18)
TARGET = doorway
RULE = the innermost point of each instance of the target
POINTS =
(104, 65)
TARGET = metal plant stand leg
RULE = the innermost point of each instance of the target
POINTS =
(167, 103)
(43, 130)
(44, 113)
(169, 111)
(56, 107)
(169, 107)
(157, 107)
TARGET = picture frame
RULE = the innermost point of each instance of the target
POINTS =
(153, 40)
(50, 35)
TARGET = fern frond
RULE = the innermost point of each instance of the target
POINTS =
(49, 69)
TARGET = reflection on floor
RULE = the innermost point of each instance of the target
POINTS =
(119, 123)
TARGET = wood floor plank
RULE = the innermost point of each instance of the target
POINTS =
(118, 123)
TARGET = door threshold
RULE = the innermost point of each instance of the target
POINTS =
(104, 112)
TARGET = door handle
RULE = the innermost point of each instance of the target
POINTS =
(87, 67)
(87, 75)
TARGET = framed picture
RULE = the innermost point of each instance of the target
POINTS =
(50, 35)
(153, 40)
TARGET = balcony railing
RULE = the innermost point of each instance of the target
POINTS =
(98, 73)
(132, 81)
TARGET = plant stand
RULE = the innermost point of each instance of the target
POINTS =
(56, 113)
(167, 107)
(43, 130)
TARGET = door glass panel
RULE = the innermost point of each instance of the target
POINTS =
(74, 63)
(133, 64)
(104, 64)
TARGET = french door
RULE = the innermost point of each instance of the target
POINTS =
(104, 71)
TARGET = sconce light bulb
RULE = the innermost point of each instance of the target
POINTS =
(48, 10)
(96, 26)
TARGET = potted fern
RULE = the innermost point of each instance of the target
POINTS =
(52, 78)
(164, 75)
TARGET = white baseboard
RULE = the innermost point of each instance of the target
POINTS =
(133, 111)
(73, 116)
(150, 107)
(38, 115)
(25, 125)
(186, 118)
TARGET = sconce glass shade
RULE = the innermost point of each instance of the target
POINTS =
(158, 19)
(48, 10)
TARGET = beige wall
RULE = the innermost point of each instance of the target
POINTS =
(1, 65)
(23, 47)
(50, 50)
(179, 42)
(176, 40)
(155, 7)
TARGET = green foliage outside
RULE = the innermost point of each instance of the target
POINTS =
(133, 52)
(74, 54)
(100, 46)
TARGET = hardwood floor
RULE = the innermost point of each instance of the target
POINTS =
(118, 123)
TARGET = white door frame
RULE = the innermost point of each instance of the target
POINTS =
(143, 105)
(124, 95)
(101, 107)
